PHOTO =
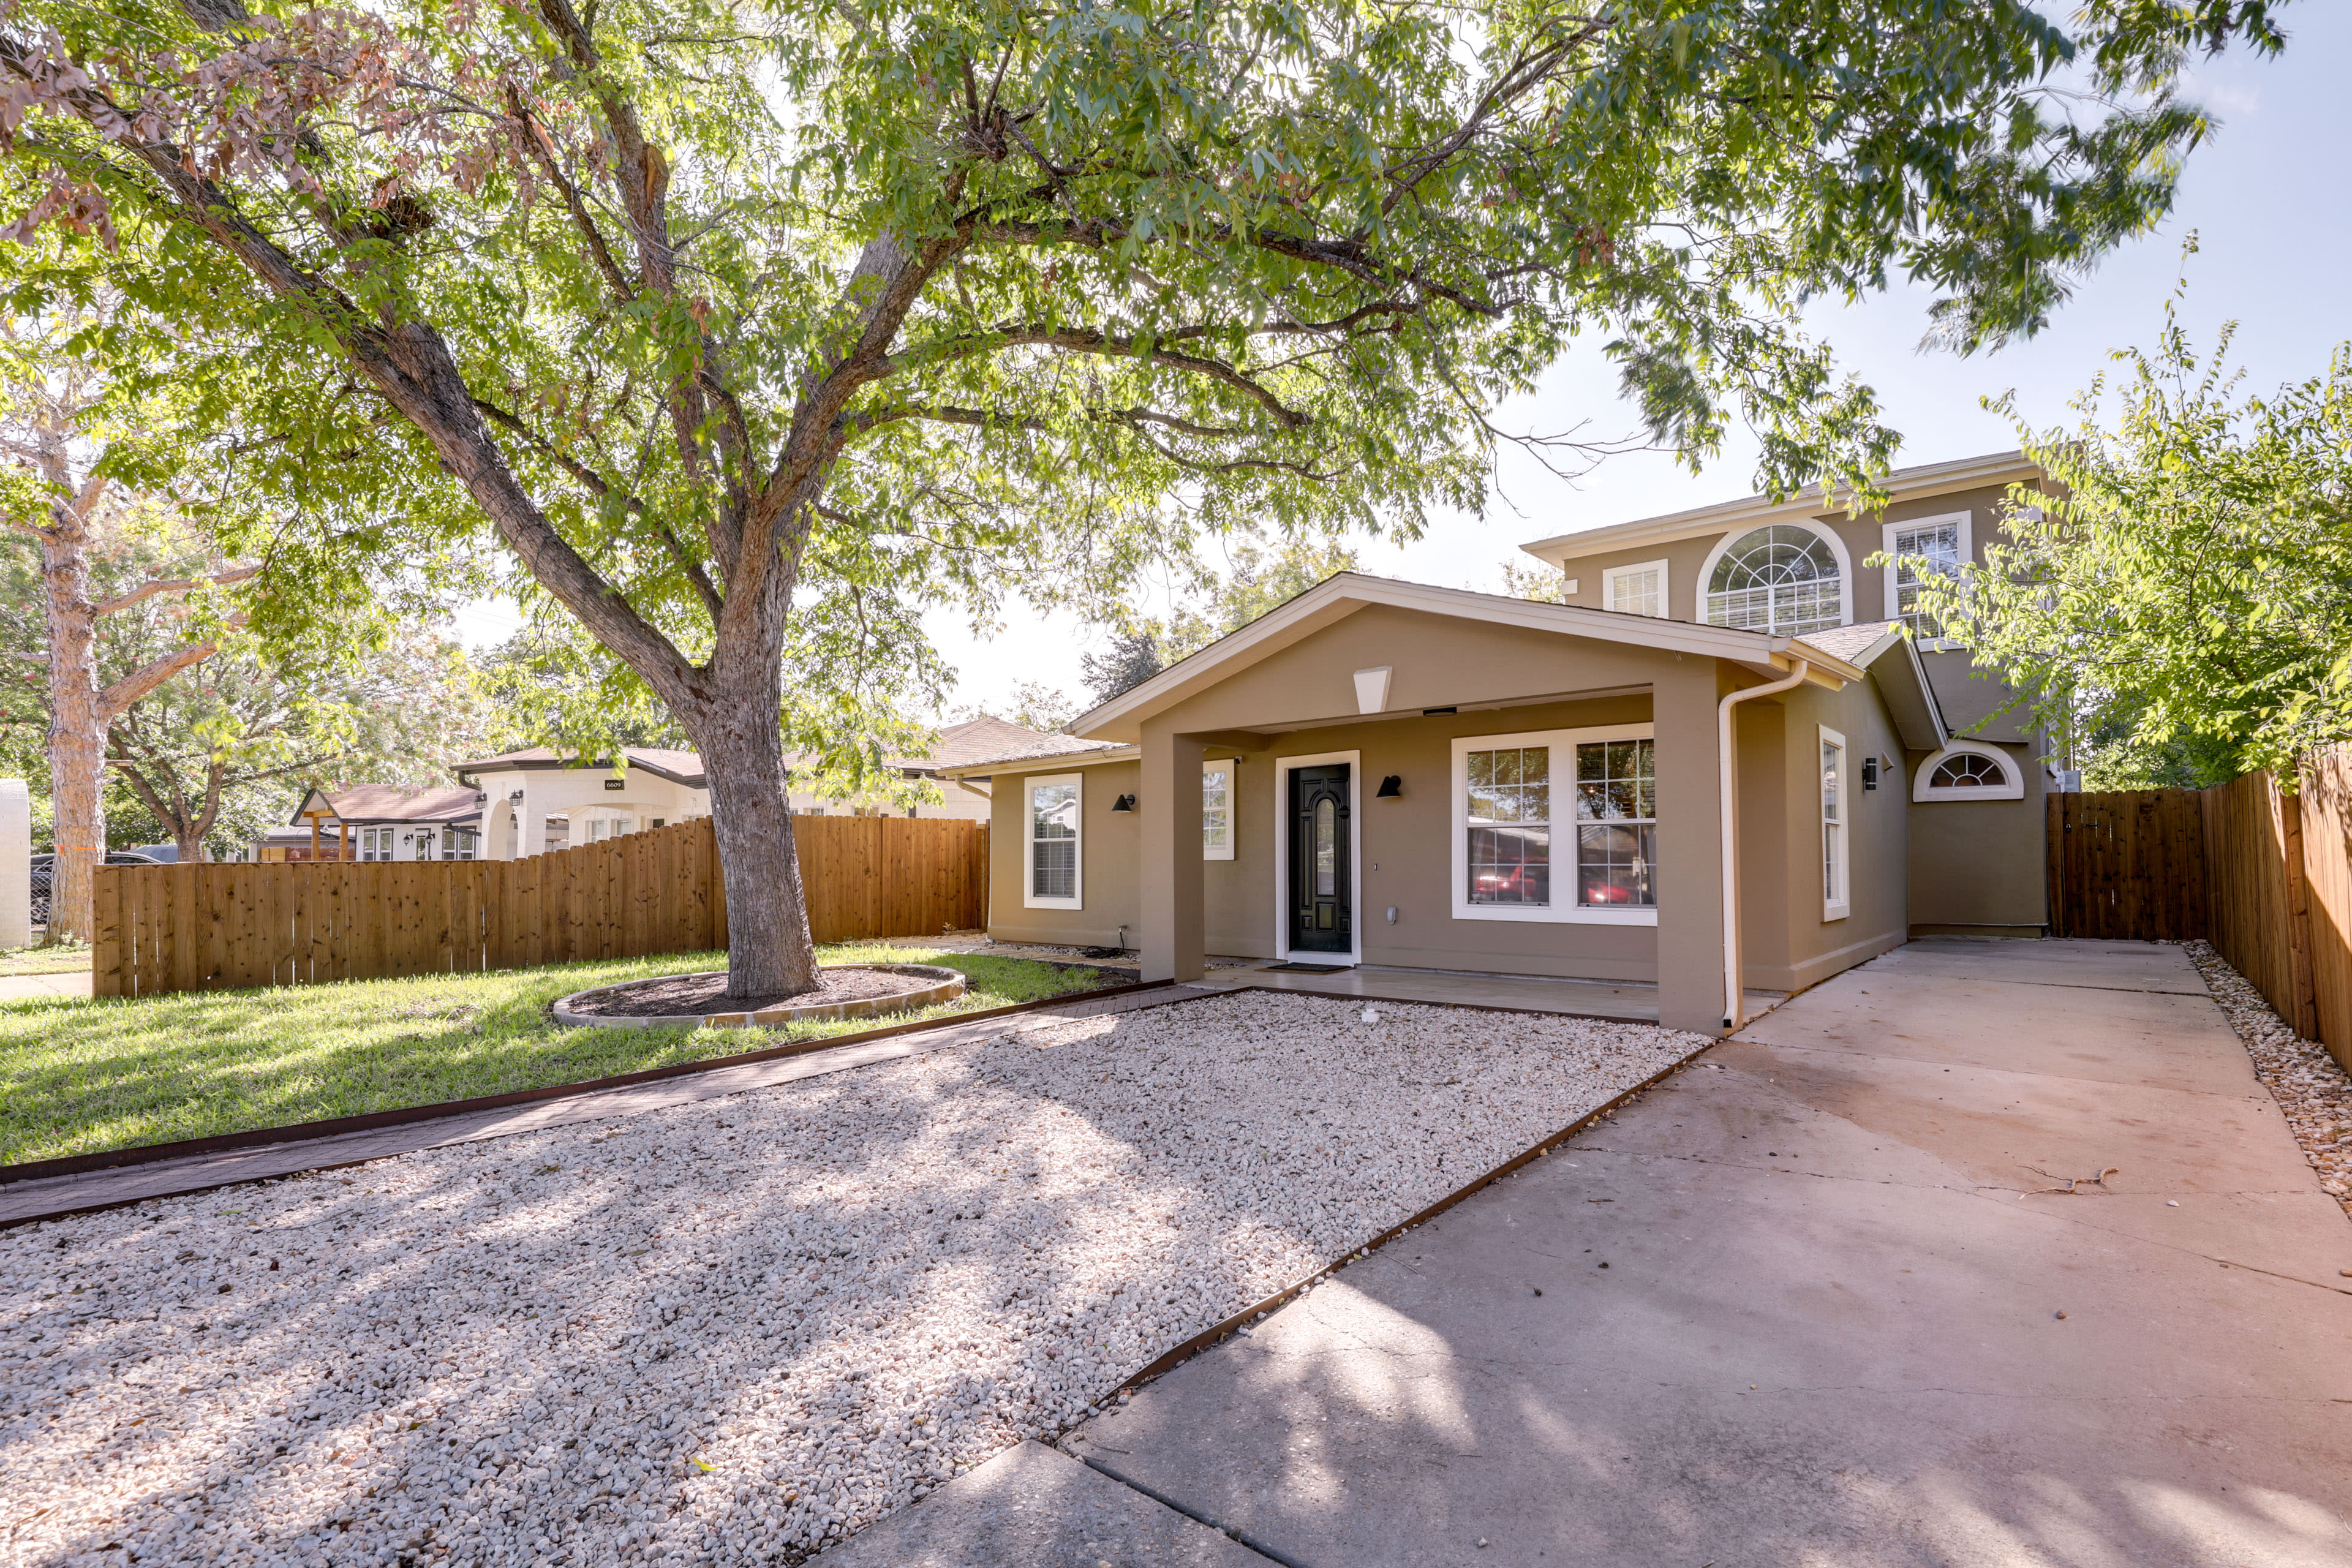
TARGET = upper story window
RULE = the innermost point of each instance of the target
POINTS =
(1637, 590)
(1783, 578)
(1922, 548)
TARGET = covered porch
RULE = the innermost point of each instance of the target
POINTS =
(1449, 796)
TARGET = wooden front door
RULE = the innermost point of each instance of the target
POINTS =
(1322, 903)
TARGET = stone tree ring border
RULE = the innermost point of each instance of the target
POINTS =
(934, 983)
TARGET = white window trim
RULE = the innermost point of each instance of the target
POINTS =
(1886, 544)
(2012, 790)
(1283, 768)
(1029, 899)
(1837, 547)
(1609, 575)
(1572, 913)
(1838, 904)
(1229, 766)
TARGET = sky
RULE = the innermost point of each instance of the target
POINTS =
(2265, 197)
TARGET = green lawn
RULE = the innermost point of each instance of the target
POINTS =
(42, 961)
(78, 1077)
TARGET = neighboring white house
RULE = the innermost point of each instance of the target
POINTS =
(539, 797)
(377, 822)
(535, 801)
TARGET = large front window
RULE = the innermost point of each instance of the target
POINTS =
(1053, 845)
(1519, 856)
(1784, 579)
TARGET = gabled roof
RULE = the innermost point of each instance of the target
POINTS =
(989, 740)
(1337, 597)
(390, 803)
(1903, 484)
(1903, 682)
(677, 767)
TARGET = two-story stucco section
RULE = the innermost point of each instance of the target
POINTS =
(1802, 566)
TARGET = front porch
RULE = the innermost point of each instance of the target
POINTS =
(1634, 1002)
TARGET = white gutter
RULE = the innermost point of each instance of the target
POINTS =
(1735, 995)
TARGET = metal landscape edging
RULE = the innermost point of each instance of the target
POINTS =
(1216, 1334)
(368, 1121)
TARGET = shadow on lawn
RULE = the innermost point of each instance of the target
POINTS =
(78, 1077)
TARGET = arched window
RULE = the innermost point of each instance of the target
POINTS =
(1783, 578)
(1961, 771)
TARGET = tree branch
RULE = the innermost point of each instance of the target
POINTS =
(170, 585)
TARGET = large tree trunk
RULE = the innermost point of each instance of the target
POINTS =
(76, 729)
(769, 953)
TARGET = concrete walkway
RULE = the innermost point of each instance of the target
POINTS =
(1792, 1310)
(73, 985)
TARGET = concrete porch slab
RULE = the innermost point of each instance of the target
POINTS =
(1629, 1000)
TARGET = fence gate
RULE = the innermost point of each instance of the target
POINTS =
(2127, 864)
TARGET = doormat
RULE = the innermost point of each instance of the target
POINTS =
(1308, 968)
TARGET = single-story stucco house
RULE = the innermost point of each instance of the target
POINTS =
(1724, 756)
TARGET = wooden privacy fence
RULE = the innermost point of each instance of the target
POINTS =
(2265, 876)
(224, 926)
(2280, 901)
(2126, 864)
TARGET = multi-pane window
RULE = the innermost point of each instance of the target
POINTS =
(1834, 869)
(1509, 824)
(459, 843)
(1217, 811)
(1783, 578)
(615, 826)
(1054, 841)
(1637, 590)
(1616, 823)
(376, 843)
(1967, 770)
(1920, 551)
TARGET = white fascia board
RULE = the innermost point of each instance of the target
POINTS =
(1337, 597)
(1905, 484)
(1058, 762)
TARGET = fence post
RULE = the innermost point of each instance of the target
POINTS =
(2286, 811)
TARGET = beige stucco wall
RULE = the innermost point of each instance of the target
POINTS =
(1106, 860)
(1977, 865)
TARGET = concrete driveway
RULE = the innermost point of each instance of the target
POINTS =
(1790, 1309)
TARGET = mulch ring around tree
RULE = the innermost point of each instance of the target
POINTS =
(847, 991)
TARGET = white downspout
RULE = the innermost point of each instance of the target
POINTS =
(1735, 996)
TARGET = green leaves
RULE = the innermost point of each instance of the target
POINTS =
(2181, 610)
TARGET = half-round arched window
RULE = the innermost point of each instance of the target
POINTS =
(1962, 771)
(1784, 578)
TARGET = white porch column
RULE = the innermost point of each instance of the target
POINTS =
(1168, 806)
(530, 824)
(1690, 847)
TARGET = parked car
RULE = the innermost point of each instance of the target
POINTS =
(45, 867)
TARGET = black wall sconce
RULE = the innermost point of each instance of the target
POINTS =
(516, 798)
(1870, 773)
(1124, 803)
(1392, 788)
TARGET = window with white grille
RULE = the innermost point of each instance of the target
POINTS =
(1784, 578)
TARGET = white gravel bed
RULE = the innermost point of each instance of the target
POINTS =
(731, 1330)
(2310, 1086)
